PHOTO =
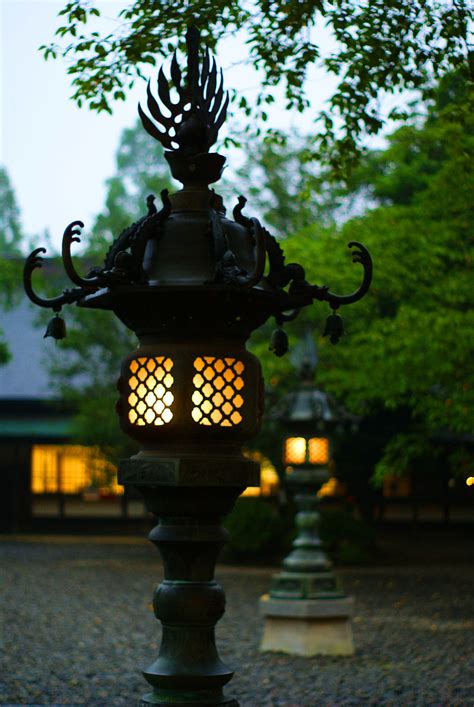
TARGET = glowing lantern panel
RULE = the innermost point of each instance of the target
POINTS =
(151, 398)
(217, 397)
(318, 450)
(295, 450)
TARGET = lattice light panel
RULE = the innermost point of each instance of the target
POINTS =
(217, 397)
(151, 396)
(295, 450)
(298, 450)
(318, 450)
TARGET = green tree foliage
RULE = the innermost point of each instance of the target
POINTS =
(283, 185)
(411, 340)
(381, 47)
(11, 237)
(10, 228)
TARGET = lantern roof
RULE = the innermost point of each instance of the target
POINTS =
(308, 408)
(310, 405)
(186, 268)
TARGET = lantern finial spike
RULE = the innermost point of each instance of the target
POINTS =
(192, 42)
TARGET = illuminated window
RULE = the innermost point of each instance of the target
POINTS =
(70, 469)
(318, 448)
(295, 450)
(45, 468)
(217, 395)
(151, 398)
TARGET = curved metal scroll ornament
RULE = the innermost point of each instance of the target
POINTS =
(70, 236)
(33, 262)
(334, 324)
(361, 256)
(200, 111)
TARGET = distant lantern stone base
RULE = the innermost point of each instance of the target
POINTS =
(307, 627)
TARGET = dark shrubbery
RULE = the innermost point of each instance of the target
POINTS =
(257, 529)
(347, 539)
(261, 532)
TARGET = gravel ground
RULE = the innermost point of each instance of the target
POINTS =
(77, 626)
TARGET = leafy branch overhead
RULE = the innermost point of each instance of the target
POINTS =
(380, 47)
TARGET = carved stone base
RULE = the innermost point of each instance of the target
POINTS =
(307, 627)
(306, 585)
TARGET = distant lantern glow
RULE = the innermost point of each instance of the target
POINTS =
(151, 398)
(217, 395)
(470, 481)
(318, 450)
(332, 487)
(295, 450)
(269, 479)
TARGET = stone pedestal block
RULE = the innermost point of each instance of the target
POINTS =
(307, 627)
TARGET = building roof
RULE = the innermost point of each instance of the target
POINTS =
(34, 428)
(25, 376)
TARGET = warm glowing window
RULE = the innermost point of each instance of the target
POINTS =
(150, 399)
(70, 469)
(318, 450)
(295, 450)
(217, 395)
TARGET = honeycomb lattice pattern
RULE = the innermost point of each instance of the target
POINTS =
(151, 398)
(217, 395)
(318, 448)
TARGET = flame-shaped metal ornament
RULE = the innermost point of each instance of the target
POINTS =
(198, 114)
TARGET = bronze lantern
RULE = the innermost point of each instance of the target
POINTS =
(192, 283)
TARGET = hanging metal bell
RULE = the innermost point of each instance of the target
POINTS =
(56, 328)
(334, 328)
(279, 342)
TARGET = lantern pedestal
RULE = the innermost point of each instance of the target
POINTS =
(190, 496)
(307, 612)
(308, 627)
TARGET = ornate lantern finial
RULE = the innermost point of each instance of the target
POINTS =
(200, 111)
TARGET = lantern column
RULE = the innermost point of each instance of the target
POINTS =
(307, 612)
(189, 498)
